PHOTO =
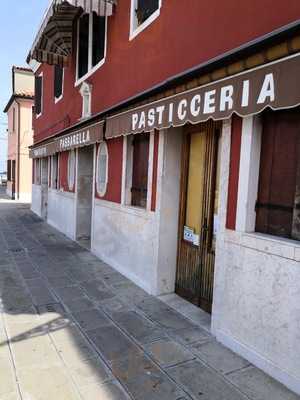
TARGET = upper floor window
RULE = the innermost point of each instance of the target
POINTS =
(38, 95)
(58, 82)
(143, 13)
(91, 48)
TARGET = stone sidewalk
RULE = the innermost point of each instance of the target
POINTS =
(71, 327)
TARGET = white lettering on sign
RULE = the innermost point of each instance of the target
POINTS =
(220, 100)
(209, 101)
(40, 152)
(226, 101)
(77, 139)
(195, 105)
(182, 109)
(245, 96)
(267, 90)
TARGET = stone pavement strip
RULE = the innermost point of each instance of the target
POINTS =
(71, 327)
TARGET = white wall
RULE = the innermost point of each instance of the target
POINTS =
(142, 244)
(256, 309)
(62, 212)
(36, 201)
(126, 238)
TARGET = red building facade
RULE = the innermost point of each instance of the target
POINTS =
(159, 144)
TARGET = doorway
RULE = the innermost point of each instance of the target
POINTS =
(44, 188)
(84, 196)
(198, 220)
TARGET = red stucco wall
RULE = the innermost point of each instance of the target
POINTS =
(63, 172)
(234, 171)
(186, 33)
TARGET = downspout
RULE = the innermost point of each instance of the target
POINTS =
(17, 174)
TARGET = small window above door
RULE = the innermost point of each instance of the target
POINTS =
(143, 13)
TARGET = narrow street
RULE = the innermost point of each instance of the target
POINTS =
(71, 327)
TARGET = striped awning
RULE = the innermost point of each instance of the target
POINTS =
(53, 43)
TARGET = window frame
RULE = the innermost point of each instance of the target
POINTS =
(57, 99)
(136, 29)
(71, 184)
(91, 69)
(102, 193)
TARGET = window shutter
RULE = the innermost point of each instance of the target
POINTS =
(58, 81)
(278, 172)
(38, 94)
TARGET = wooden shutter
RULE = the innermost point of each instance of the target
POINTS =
(278, 172)
(140, 170)
(58, 81)
(38, 94)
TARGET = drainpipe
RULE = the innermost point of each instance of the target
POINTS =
(17, 173)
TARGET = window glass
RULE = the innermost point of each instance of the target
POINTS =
(37, 171)
(92, 42)
(102, 169)
(38, 94)
(277, 208)
(99, 26)
(71, 169)
(58, 81)
(144, 9)
(140, 170)
(83, 46)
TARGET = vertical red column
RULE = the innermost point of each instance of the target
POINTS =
(234, 171)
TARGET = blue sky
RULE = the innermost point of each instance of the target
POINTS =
(19, 22)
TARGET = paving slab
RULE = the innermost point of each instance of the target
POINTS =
(154, 386)
(34, 351)
(189, 336)
(91, 371)
(70, 293)
(107, 391)
(91, 319)
(203, 383)
(140, 328)
(168, 352)
(8, 382)
(259, 386)
(82, 304)
(72, 346)
(219, 357)
(130, 366)
(48, 383)
(111, 342)
(11, 396)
